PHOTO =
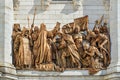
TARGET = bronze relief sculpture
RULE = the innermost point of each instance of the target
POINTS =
(74, 47)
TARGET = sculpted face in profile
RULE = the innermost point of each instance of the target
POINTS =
(76, 47)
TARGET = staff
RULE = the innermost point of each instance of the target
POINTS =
(98, 23)
(32, 26)
(33, 18)
(28, 21)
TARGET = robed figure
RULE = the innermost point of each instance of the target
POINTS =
(22, 50)
(44, 53)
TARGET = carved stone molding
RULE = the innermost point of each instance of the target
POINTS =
(77, 3)
(106, 4)
(45, 3)
(16, 4)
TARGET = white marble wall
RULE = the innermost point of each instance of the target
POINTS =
(7, 70)
(63, 12)
(1, 30)
(6, 21)
(66, 75)
(113, 71)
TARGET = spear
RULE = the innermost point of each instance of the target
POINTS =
(101, 19)
(98, 22)
(34, 18)
(28, 21)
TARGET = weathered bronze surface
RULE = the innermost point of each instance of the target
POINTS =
(76, 47)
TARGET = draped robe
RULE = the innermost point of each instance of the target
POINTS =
(44, 53)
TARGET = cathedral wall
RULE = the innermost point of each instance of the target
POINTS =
(61, 11)
(64, 12)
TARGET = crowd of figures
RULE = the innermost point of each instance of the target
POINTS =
(75, 46)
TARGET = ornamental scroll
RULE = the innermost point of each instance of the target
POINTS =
(75, 47)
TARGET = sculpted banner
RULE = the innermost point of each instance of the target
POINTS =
(74, 47)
